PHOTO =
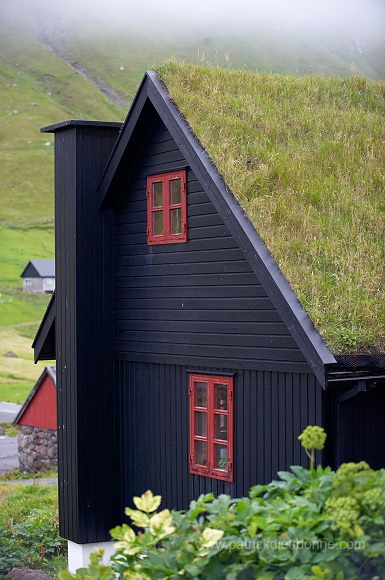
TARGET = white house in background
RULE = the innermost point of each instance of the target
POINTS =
(39, 276)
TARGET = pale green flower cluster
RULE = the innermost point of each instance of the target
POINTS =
(313, 437)
(344, 511)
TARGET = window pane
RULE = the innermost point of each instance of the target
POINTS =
(201, 424)
(200, 394)
(175, 191)
(157, 217)
(221, 396)
(176, 221)
(157, 194)
(201, 452)
(221, 427)
(220, 456)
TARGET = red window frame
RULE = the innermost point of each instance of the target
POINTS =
(206, 417)
(166, 208)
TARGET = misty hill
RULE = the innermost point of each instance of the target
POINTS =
(70, 61)
(59, 61)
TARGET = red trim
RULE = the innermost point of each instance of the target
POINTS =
(211, 469)
(166, 237)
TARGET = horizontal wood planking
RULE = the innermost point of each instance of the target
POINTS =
(204, 351)
(269, 417)
(186, 284)
(247, 328)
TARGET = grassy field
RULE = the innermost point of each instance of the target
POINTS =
(20, 312)
(18, 374)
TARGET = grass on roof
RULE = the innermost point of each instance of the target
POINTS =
(305, 156)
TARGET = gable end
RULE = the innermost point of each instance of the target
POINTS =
(262, 263)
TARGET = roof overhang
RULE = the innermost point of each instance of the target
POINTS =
(44, 344)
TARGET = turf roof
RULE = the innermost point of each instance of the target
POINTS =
(305, 157)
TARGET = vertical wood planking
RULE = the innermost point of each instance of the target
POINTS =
(84, 332)
(156, 440)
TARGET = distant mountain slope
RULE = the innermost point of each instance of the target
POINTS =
(36, 88)
(114, 58)
(56, 64)
(59, 60)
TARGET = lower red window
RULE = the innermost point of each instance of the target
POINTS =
(211, 426)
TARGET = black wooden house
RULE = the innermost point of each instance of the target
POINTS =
(185, 362)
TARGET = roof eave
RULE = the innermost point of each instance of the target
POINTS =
(105, 185)
(45, 332)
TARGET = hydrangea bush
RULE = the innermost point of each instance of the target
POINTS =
(312, 523)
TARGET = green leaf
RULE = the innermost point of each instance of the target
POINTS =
(193, 570)
(259, 521)
(358, 531)
(294, 573)
(147, 502)
(65, 575)
(161, 524)
(257, 490)
(317, 571)
(140, 519)
(375, 549)
(286, 476)
(210, 537)
(302, 473)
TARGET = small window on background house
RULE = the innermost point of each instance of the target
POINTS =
(166, 208)
(211, 426)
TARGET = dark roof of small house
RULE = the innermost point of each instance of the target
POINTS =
(48, 371)
(39, 269)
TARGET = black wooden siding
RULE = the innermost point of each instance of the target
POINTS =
(359, 426)
(195, 303)
(84, 340)
(271, 410)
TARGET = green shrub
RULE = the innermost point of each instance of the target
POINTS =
(308, 524)
(9, 430)
(29, 529)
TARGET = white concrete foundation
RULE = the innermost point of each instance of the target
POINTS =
(79, 554)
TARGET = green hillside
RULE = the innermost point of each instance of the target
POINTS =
(58, 63)
(36, 88)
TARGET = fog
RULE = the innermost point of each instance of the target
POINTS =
(338, 16)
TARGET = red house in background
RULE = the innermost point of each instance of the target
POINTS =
(37, 420)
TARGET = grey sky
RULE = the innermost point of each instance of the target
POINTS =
(345, 16)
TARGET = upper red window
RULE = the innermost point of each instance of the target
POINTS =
(167, 208)
(211, 426)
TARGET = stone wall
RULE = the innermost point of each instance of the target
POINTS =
(37, 448)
